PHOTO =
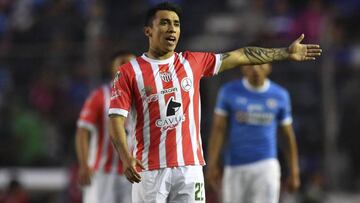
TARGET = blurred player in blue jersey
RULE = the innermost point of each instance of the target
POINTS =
(247, 115)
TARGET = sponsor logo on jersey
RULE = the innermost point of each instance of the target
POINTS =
(255, 107)
(172, 120)
(255, 118)
(169, 90)
(186, 84)
(172, 107)
(117, 76)
(166, 76)
(155, 97)
(169, 122)
(152, 98)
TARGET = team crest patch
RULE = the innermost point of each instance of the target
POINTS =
(166, 76)
(186, 84)
(271, 103)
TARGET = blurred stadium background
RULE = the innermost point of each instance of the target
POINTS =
(53, 52)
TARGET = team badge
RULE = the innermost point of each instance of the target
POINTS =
(166, 76)
(271, 103)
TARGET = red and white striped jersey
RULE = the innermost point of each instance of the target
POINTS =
(165, 96)
(94, 117)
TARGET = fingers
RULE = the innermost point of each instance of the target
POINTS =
(312, 46)
(312, 54)
(132, 175)
(298, 40)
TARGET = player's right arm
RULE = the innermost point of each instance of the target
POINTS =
(216, 141)
(82, 151)
(118, 137)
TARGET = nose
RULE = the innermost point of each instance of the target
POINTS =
(171, 28)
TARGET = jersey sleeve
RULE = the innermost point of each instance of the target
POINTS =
(121, 93)
(209, 62)
(91, 111)
(285, 117)
(222, 107)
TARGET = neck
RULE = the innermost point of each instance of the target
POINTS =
(256, 84)
(158, 55)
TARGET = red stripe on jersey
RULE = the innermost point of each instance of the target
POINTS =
(155, 133)
(185, 131)
(170, 143)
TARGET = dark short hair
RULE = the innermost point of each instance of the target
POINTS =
(164, 6)
(118, 53)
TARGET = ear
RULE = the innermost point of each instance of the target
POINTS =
(147, 31)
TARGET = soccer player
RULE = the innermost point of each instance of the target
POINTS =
(245, 122)
(162, 88)
(100, 169)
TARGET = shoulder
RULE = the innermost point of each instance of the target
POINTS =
(98, 91)
(231, 85)
(193, 54)
(278, 89)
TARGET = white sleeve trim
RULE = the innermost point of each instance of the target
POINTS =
(217, 63)
(287, 121)
(221, 112)
(121, 112)
(84, 124)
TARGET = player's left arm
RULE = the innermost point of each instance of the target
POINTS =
(258, 55)
(291, 152)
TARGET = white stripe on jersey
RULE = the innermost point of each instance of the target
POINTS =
(104, 152)
(178, 97)
(217, 63)
(146, 131)
(191, 112)
(161, 103)
(118, 112)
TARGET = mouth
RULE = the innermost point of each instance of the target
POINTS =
(171, 39)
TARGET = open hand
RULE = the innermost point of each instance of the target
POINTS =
(303, 52)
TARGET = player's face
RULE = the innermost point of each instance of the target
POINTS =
(257, 74)
(164, 32)
(118, 61)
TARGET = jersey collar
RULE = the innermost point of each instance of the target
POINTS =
(261, 89)
(164, 61)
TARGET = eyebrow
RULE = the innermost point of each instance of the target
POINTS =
(168, 20)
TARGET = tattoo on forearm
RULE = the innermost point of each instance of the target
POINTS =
(224, 56)
(258, 55)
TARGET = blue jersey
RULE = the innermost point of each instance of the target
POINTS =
(253, 116)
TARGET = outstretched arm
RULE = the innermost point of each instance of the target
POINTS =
(257, 55)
